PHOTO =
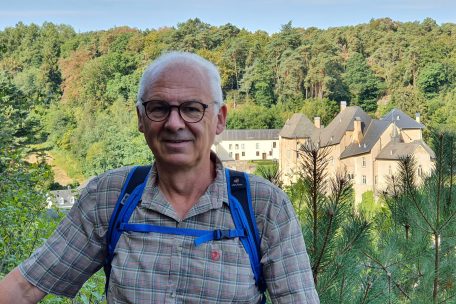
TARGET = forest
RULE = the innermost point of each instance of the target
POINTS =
(71, 96)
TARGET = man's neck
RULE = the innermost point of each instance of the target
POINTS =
(182, 187)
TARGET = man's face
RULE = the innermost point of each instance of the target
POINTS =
(174, 142)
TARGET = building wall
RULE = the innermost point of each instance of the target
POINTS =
(288, 158)
(363, 180)
(425, 165)
(247, 149)
(385, 168)
(411, 135)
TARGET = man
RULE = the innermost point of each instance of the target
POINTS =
(180, 111)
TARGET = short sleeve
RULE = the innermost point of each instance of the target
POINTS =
(73, 253)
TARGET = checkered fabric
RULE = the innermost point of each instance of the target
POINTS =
(163, 268)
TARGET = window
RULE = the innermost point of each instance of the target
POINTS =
(257, 145)
(420, 171)
(364, 162)
(231, 154)
(243, 153)
(257, 153)
(270, 153)
(364, 179)
(230, 146)
(242, 146)
(274, 144)
(236, 147)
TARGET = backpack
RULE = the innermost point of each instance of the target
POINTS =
(241, 211)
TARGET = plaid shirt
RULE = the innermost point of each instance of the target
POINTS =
(163, 268)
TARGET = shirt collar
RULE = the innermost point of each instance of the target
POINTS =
(213, 198)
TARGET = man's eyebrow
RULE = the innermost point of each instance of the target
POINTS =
(163, 101)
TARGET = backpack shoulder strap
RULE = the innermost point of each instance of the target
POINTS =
(238, 187)
(136, 177)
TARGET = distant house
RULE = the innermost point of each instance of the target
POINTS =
(245, 145)
(366, 149)
(64, 199)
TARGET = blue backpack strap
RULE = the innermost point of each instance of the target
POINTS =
(243, 216)
(203, 236)
(136, 176)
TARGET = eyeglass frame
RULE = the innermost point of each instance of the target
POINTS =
(178, 107)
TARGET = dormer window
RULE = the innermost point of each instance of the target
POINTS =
(398, 117)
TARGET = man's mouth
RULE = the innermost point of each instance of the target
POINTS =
(176, 141)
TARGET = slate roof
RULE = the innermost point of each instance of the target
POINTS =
(343, 122)
(402, 120)
(298, 126)
(253, 134)
(371, 136)
(395, 150)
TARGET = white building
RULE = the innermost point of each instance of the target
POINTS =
(247, 145)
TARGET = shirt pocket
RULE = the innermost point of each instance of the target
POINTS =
(221, 270)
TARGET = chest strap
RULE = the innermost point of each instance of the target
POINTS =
(203, 236)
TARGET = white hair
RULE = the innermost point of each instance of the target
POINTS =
(186, 58)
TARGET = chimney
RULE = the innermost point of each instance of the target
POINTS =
(418, 117)
(357, 131)
(343, 105)
(317, 122)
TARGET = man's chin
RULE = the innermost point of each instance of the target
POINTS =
(175, 160)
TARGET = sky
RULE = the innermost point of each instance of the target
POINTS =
(267, 15)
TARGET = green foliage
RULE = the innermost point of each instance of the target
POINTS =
(252, 116)
(270, 172)
(364, 86)
(76, 77)
(432, 78)
(415, 253)
(324, 108)
(24, 221)
(368, 206)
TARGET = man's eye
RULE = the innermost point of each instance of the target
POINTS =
(157, 109)
(191, 109)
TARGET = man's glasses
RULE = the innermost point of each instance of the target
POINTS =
(189, 111)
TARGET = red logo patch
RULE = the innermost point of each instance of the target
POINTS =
(215, 255)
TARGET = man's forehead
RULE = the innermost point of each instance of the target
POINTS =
(178, 77)
(177, 68)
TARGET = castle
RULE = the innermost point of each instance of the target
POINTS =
(366, 149)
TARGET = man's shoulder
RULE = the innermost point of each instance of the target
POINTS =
(111, 180)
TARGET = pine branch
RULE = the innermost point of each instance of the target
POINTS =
(383, 267)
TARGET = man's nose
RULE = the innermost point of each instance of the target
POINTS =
(174, 120)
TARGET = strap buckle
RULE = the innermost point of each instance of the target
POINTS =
(221, 234)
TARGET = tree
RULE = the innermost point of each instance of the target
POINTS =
(432, 78)
(251, 116)
(422, 239)
(365, 88)
(334, 234)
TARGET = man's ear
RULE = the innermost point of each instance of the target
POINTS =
(140, 120)
(221, 119)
